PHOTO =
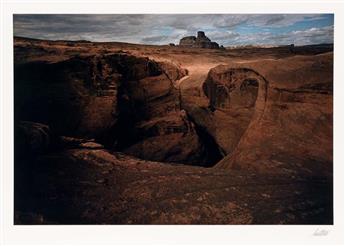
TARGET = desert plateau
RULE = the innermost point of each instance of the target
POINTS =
(188, 133)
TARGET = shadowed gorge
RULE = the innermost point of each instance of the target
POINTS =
(117, 133)
(125, 102)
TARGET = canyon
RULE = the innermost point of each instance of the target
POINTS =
(118, 133)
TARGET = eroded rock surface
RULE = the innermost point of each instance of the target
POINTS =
(291, 130)
(83, 186)
(128, 103)
(83, 110)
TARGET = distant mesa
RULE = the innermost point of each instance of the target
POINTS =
(201, 41)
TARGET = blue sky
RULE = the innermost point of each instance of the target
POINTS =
(324, 21)
(226, 29)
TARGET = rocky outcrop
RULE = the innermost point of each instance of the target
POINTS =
(76, 96)
(127, 103)
(232, 88)
(234, 95)
(271, 116)
(286, 130)
(201, 41)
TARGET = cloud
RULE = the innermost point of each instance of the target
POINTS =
(309, 36)
(274, 20)
(314, 35)
(223, 36)
(163, 29)
(281, 20)
(154, 39)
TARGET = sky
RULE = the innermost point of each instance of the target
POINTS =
(227, 30)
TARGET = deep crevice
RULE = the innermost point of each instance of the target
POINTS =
(123, 134)
(213, 152)
(90, 82)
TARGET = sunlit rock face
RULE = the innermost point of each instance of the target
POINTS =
(290, 130)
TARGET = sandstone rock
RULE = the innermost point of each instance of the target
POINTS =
(144, 192)
(108, 97)
(232, 95)
(91, 145)
(201, 41)
(77, 96)
(173, 71)
(178, 136)
(268, 129)
(290, 129)
(187, 41)
(278, 137)
(158, 131)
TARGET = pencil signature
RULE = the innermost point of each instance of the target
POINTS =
(320, 232)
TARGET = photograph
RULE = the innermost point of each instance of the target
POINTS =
(170, 119)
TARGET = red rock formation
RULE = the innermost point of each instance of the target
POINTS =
(128, 103)
(291, 130)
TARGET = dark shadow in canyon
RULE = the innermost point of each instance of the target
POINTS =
(124, 102)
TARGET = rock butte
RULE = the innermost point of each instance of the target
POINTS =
(201, 41)
(102, 131)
